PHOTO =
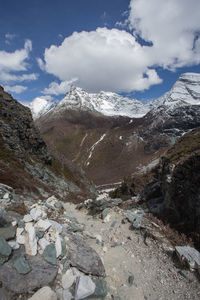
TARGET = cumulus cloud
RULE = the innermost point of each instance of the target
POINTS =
(161, 34)
(13, 62)
(102, 59)
(172, 27)
(58, 88)
(15, 89)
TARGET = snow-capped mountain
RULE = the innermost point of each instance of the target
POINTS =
(40, 106)
(186, 91)
(106, 103)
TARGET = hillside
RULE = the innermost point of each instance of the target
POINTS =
(109, 147)
(25, 163)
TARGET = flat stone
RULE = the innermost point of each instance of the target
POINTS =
(84, 257)
(43, 243)
(104, 213)
(5, 250)
(27, 218)
(189, 255)
(50, 254)
(13, 244)
(8, 232)
(66, 295)
(58, 245)
(20, 236)
(30, 239)
(68, 279)
(45, 293)
(21, 265)
(36, 213)
(41, 274)
(43, 224)
(84, 287)
(55, 225)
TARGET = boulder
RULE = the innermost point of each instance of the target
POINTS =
(41, 274)
(84, 257)
(189, 256)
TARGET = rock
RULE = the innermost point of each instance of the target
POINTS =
(20, 236)
(185, 274)
(8, 232)
(68, 279)
(43, 243)
(104, 213)
(84, 287)
(3, 295)
(58, 245)
(14, 245)
(66, 295)
(101, 289)
(5, 250)
(30, 239)
(189, 255)
(36, 213)
(43, 224)
(56, 225)
(75, 228)
(27, 218)
(99, 239)
(131, 280)
(21, 265)
(84, 257)
(41, 274)
(50, 254)
(45, 293)
(39, 234)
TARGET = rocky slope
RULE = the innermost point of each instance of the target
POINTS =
(109, 147)
(171, 190)
(25, 162)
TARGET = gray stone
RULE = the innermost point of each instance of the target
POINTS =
(45, 293)
(101, 289)
(68, 279)
(66, 295)
(21, 265)
(131, 280)
(5, 250)
(50, 254)
(66, 264)
(75, 228)
(185, 274)
(84, 257)
(104, 213)
(188, 256)
(56, 225)
(8, 232)
(3, 295)
(40, 234)
(84, 287)
(113, 224)
(41, 274)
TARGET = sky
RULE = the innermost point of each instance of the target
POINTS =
(136, 48)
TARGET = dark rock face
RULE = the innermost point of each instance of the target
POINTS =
(25, 163)
(175, 196)
(18, 131)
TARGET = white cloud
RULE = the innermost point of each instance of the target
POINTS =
(58, 89)
(7, 77)
(9, 37)
(104, 59)
(171, 26)
(17, 61)
(16, 89)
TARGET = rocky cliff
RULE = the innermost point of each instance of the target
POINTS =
(25, 163)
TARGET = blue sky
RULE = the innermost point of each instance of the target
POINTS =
(133, 47)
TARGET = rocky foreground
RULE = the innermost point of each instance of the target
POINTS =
(98, 250)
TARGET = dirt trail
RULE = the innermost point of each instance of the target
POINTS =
(153, 274)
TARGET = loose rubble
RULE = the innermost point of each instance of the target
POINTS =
(59, 252)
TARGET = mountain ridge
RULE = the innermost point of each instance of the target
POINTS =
(185, 91)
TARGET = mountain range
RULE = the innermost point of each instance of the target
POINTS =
(111, 136)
